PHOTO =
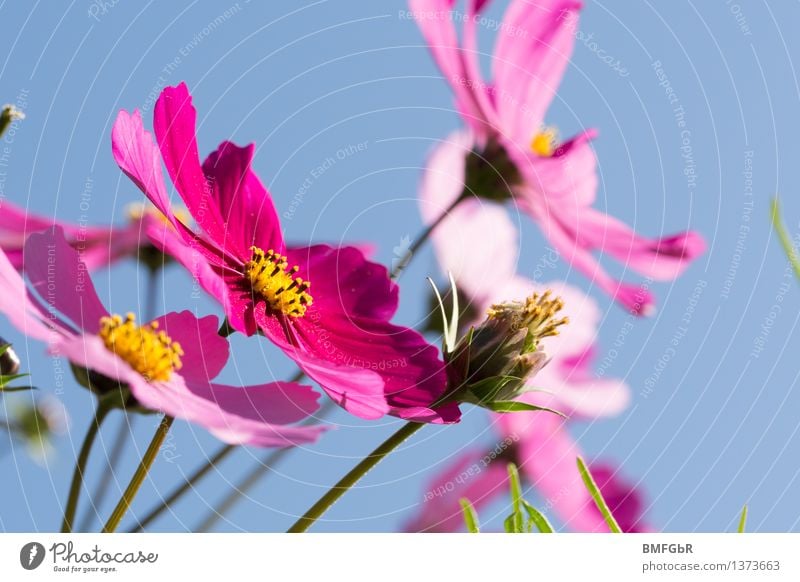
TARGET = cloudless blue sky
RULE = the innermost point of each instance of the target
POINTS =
(303, 80)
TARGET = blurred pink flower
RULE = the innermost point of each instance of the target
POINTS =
(168, 364)
(508, 151)
(337, 330)
(99, 246)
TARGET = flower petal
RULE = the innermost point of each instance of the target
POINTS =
(250, 218)
(534, 45)
(174, 121)
(60, 278)
(205, 352)
(21, 310)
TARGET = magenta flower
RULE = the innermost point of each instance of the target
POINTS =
(509, 152)
(99, 246)
(327, 308)
(168, 363)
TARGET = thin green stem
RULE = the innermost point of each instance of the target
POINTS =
(784, 237)
(345, 483)
(268, 462)
(139, 476)
(104, 406)
(424, 236)
(126, 423)
(201, 472)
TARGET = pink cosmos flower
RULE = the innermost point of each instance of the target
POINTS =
(99, 246)
(508, 152)
(327, 308)
(485, 271)
(168, 363)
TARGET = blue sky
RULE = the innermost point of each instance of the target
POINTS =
(713, 421)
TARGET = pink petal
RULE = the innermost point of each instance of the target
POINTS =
(174, 121)
(533, 49)
(436, 24)
(246, 206)
(661, 258)
(60, 278)
(21, 311)
(239, 416)
(343, 280)
(205, 352)
(467, 476)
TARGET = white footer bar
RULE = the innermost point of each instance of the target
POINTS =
(371, 557)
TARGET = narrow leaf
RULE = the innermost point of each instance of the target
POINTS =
(470, 516)
(743, 520)
(516, 497)
(453, 330)
(537, 518)
(448, 347)
(17, 388)
(514, 406)
(594, 491)
(784, 238)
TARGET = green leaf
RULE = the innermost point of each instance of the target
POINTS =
(514, 406)
(594, 491)
(516, 499)
(470, 516)
(784, 238)
(4, 348)
(743, 519)
(17, 388)
(537, 518)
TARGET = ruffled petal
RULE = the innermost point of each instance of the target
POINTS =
(60, 278)
(344, 280)
(174, 121)
(247, 208)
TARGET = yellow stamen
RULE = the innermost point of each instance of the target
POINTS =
(148, 350)
(137, 210)
(537, 314)
(271, 277)
(545, 142)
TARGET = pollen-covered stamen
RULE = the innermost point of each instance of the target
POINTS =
(270, 276)
(545, 142)
(148, 350)
(537, 314)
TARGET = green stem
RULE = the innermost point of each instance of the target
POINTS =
(345, 483)
(126, 423)
(269, 461)
(139, 476)
(784, 238)
(104, 406)
(217, 458)
(424, 236)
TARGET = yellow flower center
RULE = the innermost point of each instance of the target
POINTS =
(137, 210)
(545, 142)
(271, 277)
(148, 350)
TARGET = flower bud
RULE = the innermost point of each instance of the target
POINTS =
(9, 361)
(494, 362)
